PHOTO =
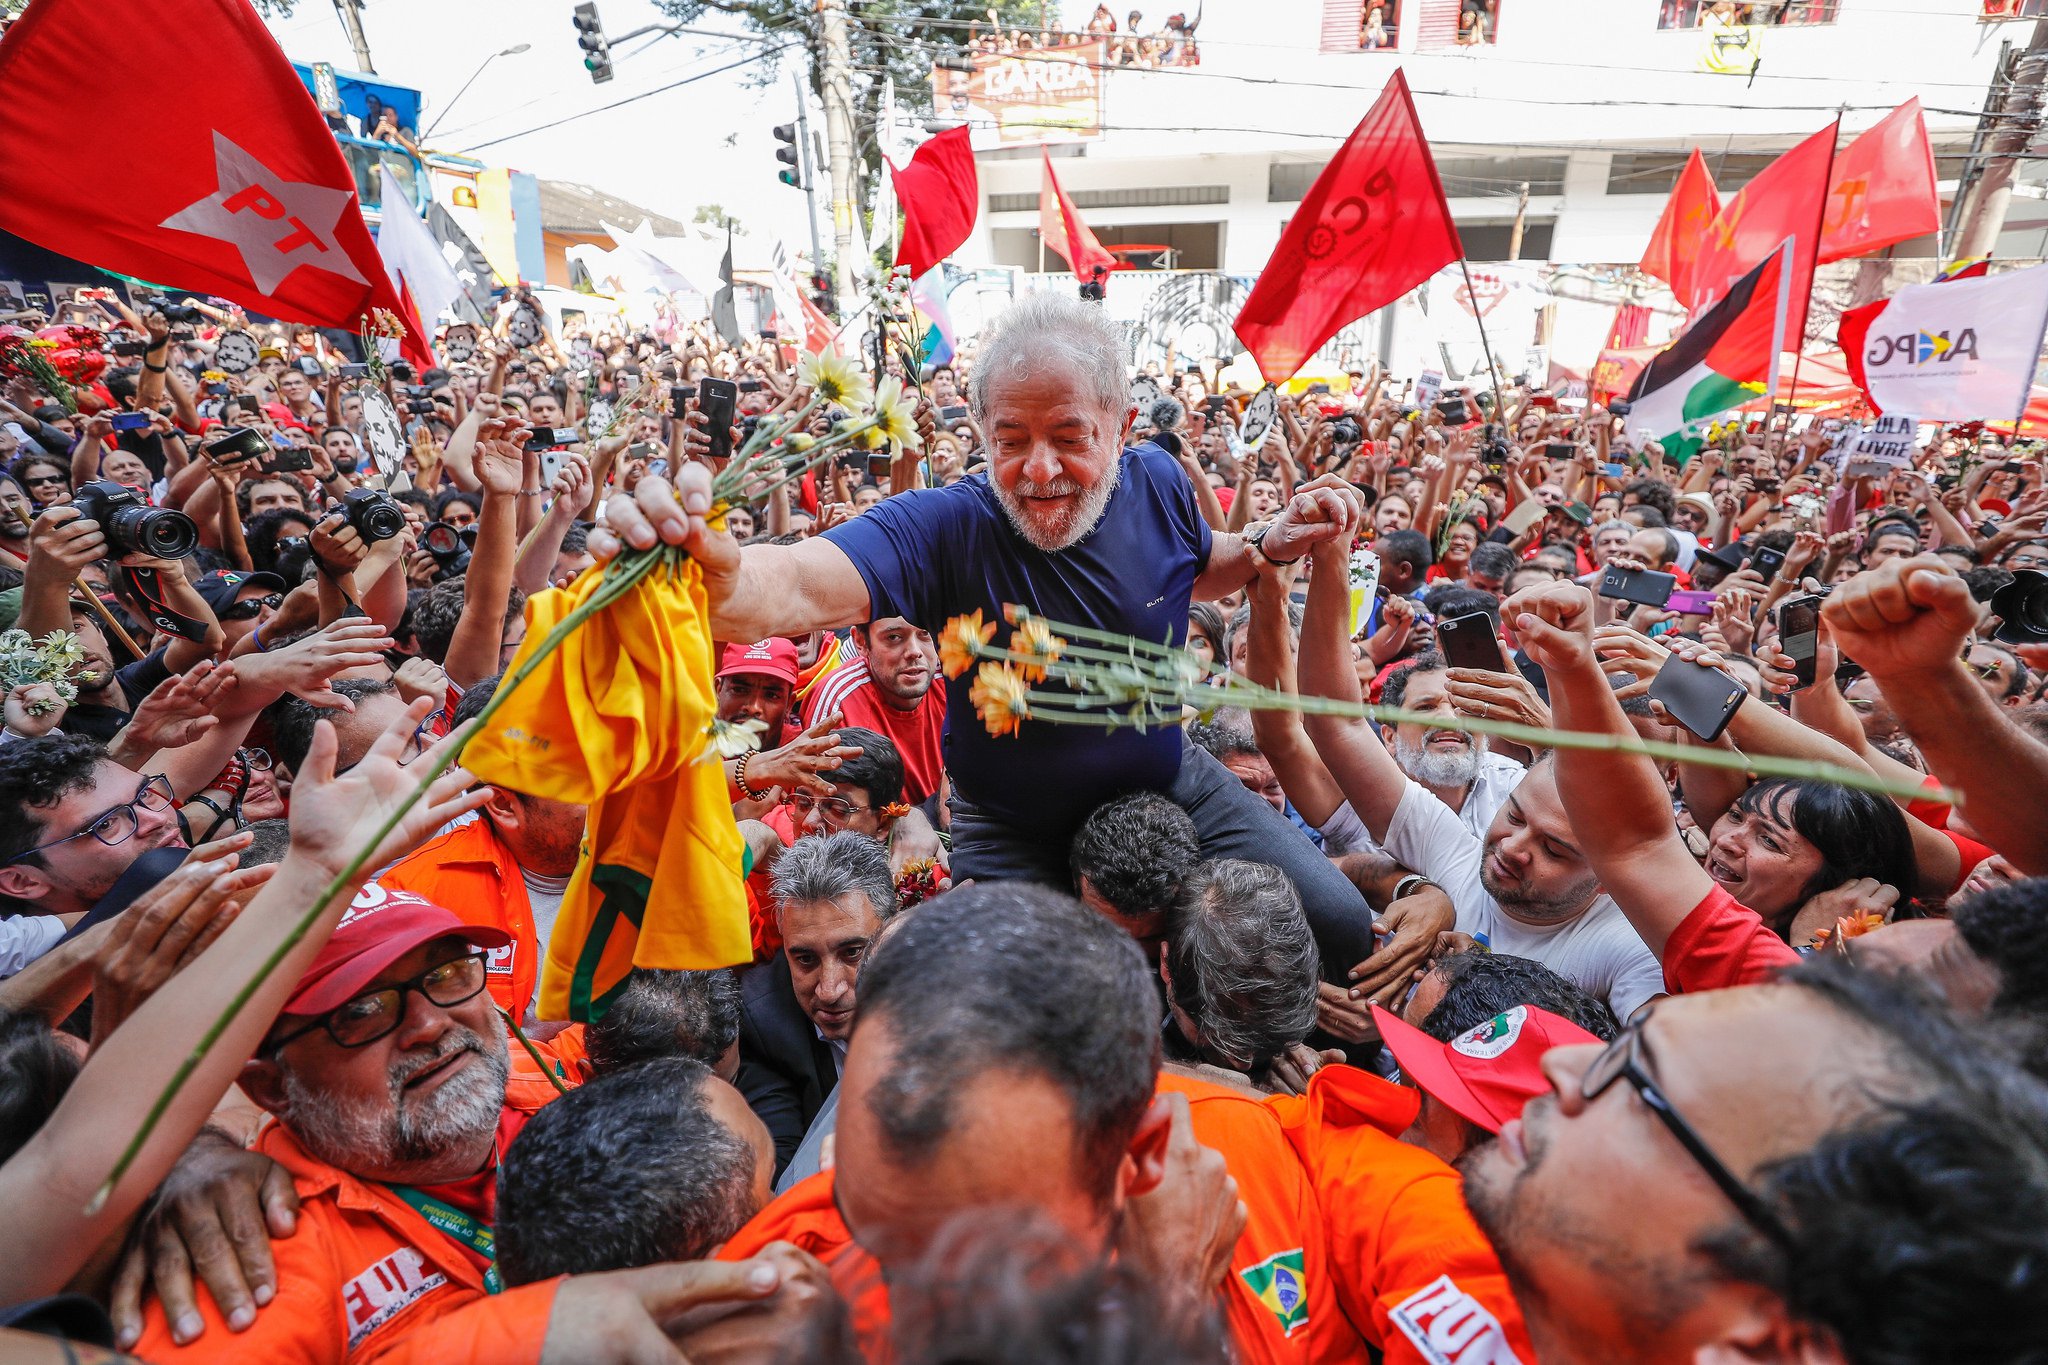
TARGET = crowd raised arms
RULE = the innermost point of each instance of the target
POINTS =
(1564, 900)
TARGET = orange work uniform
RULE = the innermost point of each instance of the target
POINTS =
(468, 870)
(365, 1277)
(1413, 1271)
(1280, 1299)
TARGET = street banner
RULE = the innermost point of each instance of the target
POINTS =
(941, 195)
(1882, 190)
(1064, 232)
(1877, 448)
(1674, 249)
(1051, 94)
(243, 193)
(1960, 350)
(1726, 358)
(1373, 226)
(1785, 200)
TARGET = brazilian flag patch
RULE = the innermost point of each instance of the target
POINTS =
(1278, 1283)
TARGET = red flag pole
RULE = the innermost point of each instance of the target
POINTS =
(1799, 351)
(1478, 316)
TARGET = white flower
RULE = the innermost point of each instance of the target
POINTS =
(730, 739)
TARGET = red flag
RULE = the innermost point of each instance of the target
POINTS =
(1064, 232)
(1372, 227)
(1675, 244)
(820, 336)
(1882, 190)
(242, 194)
(1785, 200)
(941, 195)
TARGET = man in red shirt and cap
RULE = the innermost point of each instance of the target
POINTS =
(888, 689)
(1478, 1080)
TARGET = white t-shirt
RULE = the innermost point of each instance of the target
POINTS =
(1600, 951)
(1498, 775)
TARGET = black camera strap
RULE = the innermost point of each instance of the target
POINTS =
(147, 584)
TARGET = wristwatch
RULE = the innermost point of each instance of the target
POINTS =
(1407, 886)
(1257, 541)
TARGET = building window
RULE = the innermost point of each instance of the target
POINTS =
(1760, 13)
(1361, 25)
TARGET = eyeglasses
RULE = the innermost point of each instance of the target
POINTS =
(836, 809)
(251, 607)
(368, 1017)
(257, 760)
(119, 824)
(1625, 1059)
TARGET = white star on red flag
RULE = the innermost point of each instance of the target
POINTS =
(278, 225)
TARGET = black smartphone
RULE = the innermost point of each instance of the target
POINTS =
(131, 347)
(750, 386)
(953, 412)
(2009, 467)
(355, 370)
(234, 445)
(1644, 587)
(1468, 641)
(291, 461)
(1454, 410)
(716, 399)
(217, 389)
(679, 396)
(1799, 635)
(1560, 450)
(547, 438)
(1767, 562)
(1701, 699)
(878, 463)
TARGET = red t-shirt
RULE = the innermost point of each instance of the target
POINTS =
(1722, 943)
(1935, 813)
(916, 734)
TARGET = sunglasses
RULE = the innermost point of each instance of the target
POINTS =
(249, 608)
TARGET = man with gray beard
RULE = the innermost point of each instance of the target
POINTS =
(1073, 523)
(1458, 768)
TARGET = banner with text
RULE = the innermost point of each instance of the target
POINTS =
(1957, 351)
(1051, 94)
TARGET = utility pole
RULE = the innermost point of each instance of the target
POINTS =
(1515, 233)
(2017, 119)
(836, 88)
(351, 14)
(810, 172)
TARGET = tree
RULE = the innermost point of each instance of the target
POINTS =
(714, 215)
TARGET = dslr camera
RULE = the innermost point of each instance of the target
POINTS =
(448, 548)
(374, 515)
(131, 525)
(2022, 608)
(1346, 431)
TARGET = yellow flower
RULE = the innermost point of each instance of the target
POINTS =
(1035, 638)
(836, 380)
(895, 414)
(998, 694)
(960, 641)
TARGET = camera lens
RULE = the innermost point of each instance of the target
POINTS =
(442, 541)
(2022, 608)
(156, 531)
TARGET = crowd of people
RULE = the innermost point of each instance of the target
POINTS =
(1276, 1035)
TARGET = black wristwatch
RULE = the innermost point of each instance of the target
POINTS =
(1257, 540)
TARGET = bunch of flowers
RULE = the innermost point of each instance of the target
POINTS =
(379, 326)
(54, 359)
(25, 661)
(920, 880)
(1115, 682)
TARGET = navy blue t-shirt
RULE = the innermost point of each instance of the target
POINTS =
(938, 553)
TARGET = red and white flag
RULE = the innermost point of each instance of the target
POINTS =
(1372, 227)
(242, 194)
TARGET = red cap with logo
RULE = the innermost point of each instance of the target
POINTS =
(379, 927)
(771, 658)
(1485, 1074)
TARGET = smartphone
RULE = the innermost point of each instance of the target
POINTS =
(355, 370)
(2009, 467)
(130, 421)
(541, 438)
(1560, 450)
(1454, 410)
(1614, 470)
(1644, 587)
(1523, 515)
(1799, 635)
(716, 399)
(131, 347)
(1701, 699)
(217, 389)
(750, 386)
(678, 396)
(551, 462)
(1691, 602)
(1468, 641)
(235, 445)
(878, 463)
(291, 461)
(957, 412)
(1767, 562)
(641, 450)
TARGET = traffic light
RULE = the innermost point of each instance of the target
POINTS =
(791, 173)
(597, 49)
(821, 293)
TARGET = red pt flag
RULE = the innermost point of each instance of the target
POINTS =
(1064, 232)
(1882, 191)
(941, 195)
(1674, 247)
(1785, 200)
(242, 193)
(1372, 227)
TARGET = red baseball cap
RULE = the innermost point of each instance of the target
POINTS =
(1485, 1074)
(772, 658)
(379, 927)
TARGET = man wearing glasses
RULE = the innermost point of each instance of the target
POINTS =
(73, 820)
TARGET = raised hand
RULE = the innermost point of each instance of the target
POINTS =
(334, 815)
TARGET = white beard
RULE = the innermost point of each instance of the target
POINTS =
(1436, 767)
(1070, 528)
(362, 1134)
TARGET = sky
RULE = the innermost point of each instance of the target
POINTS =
(707, 142)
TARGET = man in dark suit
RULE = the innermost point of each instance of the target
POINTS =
(832, 892)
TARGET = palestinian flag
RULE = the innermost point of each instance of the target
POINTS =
(1725, 359)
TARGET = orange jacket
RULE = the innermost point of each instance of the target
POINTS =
(468, 870)
(1413, 1271)
(1280, 1302)
(364, 1277)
